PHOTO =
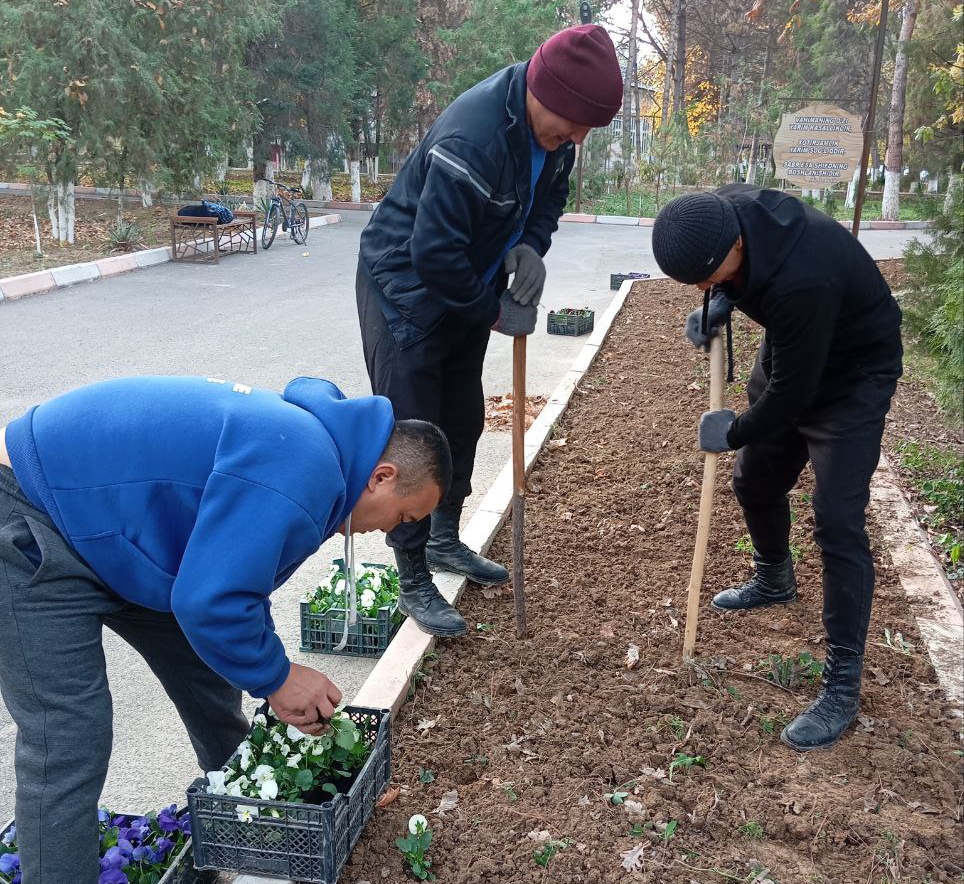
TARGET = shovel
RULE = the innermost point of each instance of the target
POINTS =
(706, 506)
(518, 479)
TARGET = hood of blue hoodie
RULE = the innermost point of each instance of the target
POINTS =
(359, 428)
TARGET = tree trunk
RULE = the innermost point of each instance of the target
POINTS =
(65, 212)
(263, 188)
(668, 68)
(679, 65)
(890, 211)
(146, 187)
(356, 174)
(953, 183)
(851, 200)
(317, 177)
(628, 84)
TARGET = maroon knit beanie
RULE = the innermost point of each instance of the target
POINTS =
(576, 75)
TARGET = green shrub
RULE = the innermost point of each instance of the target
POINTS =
(934, 306)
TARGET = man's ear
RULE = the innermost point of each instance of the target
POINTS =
(738, 245)
(383, 472)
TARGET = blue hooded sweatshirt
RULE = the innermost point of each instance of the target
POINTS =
(200, 496)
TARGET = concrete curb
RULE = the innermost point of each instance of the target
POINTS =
(932, 599)
(389, 681)
(12, 288)
(631, 221)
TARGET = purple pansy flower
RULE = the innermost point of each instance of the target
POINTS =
(113, 876)
(143, 854)
(113, 859)
(10, 836)
(103, 816)
(9, 863)
(167, 819)
(162, 848)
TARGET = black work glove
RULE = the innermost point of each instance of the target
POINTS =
(720, 309)
(714, 425)
(530, 274)
(515, 319)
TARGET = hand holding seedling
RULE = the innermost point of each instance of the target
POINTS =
(307, 699)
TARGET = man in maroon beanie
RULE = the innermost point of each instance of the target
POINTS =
(478, 200)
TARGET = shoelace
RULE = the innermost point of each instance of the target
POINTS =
(351, 616)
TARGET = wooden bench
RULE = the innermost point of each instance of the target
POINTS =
(203, 240)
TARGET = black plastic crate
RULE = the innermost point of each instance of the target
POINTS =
(181, 870)
(308, 842)
(574, 324)
(369, 637)
(617, 279)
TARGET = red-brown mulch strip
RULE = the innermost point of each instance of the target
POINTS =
(531, 736)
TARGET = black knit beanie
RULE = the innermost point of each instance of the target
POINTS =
(693, 234)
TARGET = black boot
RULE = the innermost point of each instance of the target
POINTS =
(825, 721)
(770, 585)
(445, 552)
(420, 599)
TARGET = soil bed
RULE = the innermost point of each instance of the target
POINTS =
(533, 735)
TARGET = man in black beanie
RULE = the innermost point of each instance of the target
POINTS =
(821, 386)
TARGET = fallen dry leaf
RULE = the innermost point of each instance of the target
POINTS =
(633, 859)
(557, 443)
(388, 796)
(539, 836)
(449, 802)
(427, 724)
(632, 657)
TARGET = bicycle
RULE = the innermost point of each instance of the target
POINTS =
(294, 218)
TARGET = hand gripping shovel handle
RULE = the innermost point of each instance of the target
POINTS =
(706, 505)
(518, 479)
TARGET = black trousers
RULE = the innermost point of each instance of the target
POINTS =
(840, 435)
(439, 379)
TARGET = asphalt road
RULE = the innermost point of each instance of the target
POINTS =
(261, 321)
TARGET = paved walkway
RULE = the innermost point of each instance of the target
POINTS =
(262, 321)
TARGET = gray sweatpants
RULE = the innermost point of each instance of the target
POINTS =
(53, 680)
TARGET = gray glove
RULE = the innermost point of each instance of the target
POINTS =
(720, 308)
(515, 319)
(530, 274)
(714, 425)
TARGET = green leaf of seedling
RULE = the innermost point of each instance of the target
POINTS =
(426, 839)
(330, 788)
(425, 775)
(304, 779)
(616, 797)
(405, 844)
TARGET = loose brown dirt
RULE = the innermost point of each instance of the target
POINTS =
(531, 736)
(93, 220)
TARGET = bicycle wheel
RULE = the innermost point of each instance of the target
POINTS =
(299, 223)
(271, 221)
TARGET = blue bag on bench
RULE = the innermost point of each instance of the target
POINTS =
(208, 209)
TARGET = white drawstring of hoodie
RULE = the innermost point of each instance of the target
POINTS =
(351, 612)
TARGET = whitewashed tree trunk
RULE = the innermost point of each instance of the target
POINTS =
(52, 212)
(355, 181)
(375, 171)
(221, 170)
(894, 161)
(317, 177)
(890, 210)
(36, 227)
(146, 187)
(953, 183)
(66, 212)
(263, 189)
(851, 200)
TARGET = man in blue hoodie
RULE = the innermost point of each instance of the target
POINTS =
(169, 509)
(478, 200)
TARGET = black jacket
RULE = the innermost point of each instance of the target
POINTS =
(455, 204)
(828, 314)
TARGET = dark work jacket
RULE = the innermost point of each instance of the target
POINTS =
(829, 316)
(455, 204)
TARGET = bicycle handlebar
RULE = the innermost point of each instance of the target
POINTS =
(297, 190)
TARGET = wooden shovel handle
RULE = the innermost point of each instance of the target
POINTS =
(518, 480)
(706, 506)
